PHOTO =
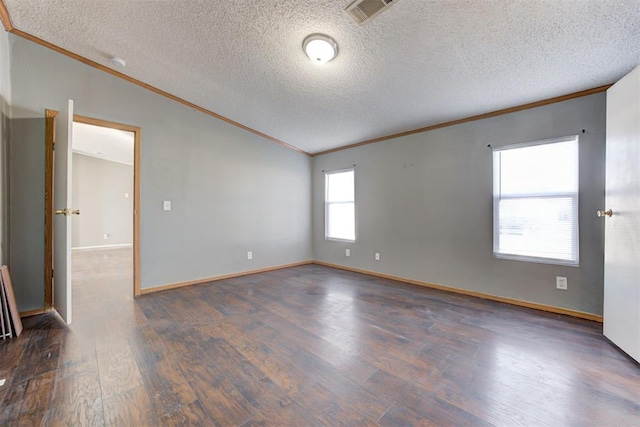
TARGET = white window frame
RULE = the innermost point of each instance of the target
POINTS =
(327, 203)
(575, 196)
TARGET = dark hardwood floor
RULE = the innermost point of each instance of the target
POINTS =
(307, 346)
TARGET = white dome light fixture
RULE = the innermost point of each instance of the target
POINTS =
(320, 48)
(117, 61)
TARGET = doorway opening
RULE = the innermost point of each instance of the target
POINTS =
(102, 236)
(106, 189)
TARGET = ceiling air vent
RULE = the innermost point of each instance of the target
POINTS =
(364, 10)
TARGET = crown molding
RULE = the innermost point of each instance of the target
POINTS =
(471, 118)
(4, 16)
(6, 21)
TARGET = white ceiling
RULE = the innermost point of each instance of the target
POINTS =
(103, 143)
(416, 64)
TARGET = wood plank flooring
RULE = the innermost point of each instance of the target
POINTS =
(307, 346)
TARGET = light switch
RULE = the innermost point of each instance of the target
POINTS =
(166, 205)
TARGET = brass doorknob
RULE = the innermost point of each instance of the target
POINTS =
(608, 213)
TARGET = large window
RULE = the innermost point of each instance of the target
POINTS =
(535, 201)
(340, 211)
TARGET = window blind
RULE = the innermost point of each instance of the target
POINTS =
(340, 205)
(536, 201)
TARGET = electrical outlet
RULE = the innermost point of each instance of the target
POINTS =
(106, 236)
(377, 257)
(561, 283)
(347, 252)
(166, 205)
(249, 255)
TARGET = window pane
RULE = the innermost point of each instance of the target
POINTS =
(536, 201)
(539, 169)
(538, 227)
(340, 187)
(341, 221)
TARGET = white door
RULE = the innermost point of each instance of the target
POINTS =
(622, 230)
(62, 205)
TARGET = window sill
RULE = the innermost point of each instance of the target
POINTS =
(537, 260)
(335, 239)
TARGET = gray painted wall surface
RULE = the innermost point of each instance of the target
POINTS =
(232, 191)
(5, 127)
(99, 188)
(5, 114)
(424, 202)
(26, 212)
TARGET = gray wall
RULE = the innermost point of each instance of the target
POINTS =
(232, 191)
(99, 188)
(5, 115)
(26, 212)
(424, 202)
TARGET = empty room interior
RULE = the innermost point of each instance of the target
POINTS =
(379, 212)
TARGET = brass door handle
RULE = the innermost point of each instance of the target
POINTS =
(608, 213)
(66, 212)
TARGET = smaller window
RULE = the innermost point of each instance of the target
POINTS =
(535, 201)
(340, 206)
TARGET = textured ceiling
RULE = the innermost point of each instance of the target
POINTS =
(416, 64)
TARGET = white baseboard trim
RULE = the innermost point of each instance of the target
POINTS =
(84, 248)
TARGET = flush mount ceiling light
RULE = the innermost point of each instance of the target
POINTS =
(320, 48)
(117, 61)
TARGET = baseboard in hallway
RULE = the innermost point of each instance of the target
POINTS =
(90, 248)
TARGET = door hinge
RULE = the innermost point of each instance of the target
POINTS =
(53, 146)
